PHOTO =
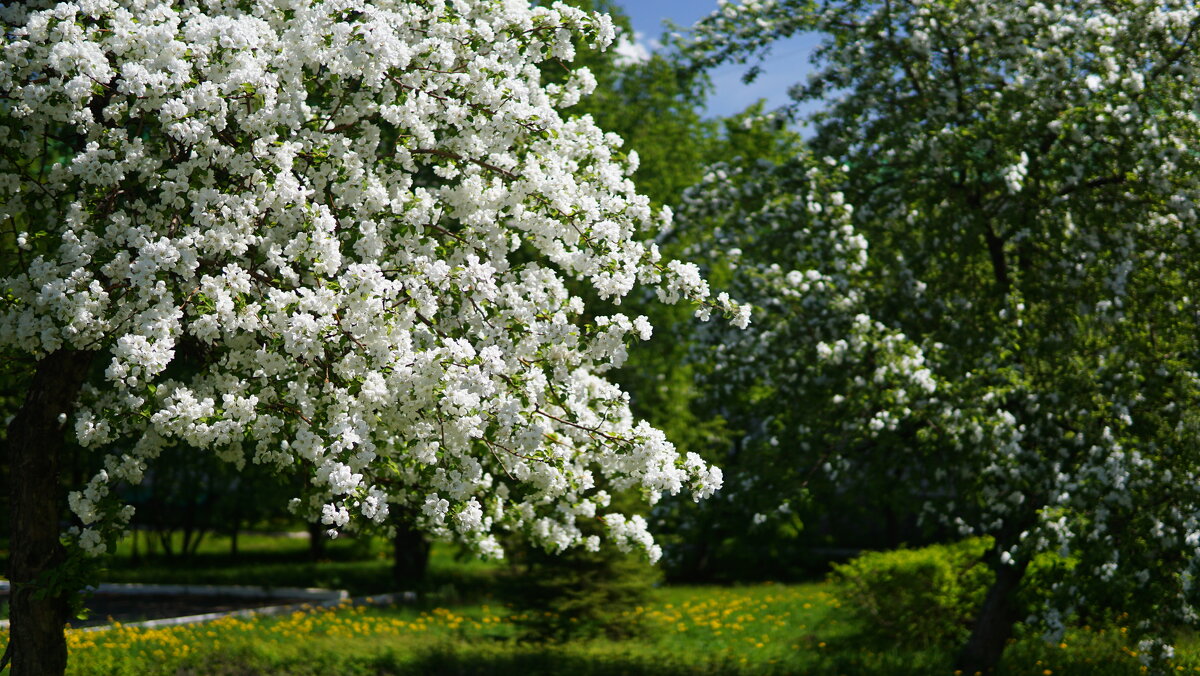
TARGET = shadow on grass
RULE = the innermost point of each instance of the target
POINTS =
(574, 659)
(501, 660)
(1082, 654)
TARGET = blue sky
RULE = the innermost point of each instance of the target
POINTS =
(787, 64)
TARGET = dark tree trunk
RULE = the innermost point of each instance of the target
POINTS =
(410, 555)
(37, 644)
(164, 538)
(189, 524)
(196, 542)
(891, 527)
(697, 567)
(994, 626)
(316, 541)
(235, 521)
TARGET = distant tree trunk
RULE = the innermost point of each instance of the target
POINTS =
(316, 541)
(697, 562)
(37, 645)
(235, 521)
(200, 533)
(164, 538)
(410, 552)
(994, 626)
(891, 527)
(189, 527)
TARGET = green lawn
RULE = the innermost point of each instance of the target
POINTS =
(762, 629)
(461, 628)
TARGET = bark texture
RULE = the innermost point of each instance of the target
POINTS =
(37, 645)
(994, 627)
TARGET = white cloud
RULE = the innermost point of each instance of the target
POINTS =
(629, 52)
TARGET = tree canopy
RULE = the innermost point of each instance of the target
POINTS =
(976, 284)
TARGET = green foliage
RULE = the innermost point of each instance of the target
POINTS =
(581, 594)
(762, 629)
(69, 580)
(655, 106)
(1029, 246)
(926, 596)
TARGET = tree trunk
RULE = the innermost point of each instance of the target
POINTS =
(165, 536)
(994, 625)
(316, 541)
(200, 533)
(235, 520)
(37, 644)
(410, 552)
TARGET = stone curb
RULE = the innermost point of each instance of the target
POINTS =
(374, 600)
(315, 598)
(236, 591)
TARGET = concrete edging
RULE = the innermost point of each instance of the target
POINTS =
(374, 600)
(313, 598)
(236, 591)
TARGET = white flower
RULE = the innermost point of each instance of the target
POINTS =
(264, 275)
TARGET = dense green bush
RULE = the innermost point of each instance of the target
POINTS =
(580, 594)
(928, 595)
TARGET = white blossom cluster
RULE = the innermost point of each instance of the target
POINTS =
(1027, 178)
(337, 234)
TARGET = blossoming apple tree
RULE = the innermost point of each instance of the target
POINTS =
(1020, 347)
(333, 234)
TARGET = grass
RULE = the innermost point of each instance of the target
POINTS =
(761, 629)
(460, 628)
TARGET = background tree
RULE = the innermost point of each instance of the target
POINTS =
(819, 392)
(234, 188)
(1019, 349)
